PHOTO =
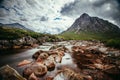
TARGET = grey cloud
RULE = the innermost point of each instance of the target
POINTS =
(43, 18)
(94, 8)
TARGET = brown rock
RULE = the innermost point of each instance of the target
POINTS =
(68, 74)
(8, 73)
(24, 62)
(49, 62)
(37, 69)
(33, 77)
(36, 55)
(49, 78)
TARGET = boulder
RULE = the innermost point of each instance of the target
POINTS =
(36, 68)
(42, 57)
(49, 78)
(32, 77)
(59, 48)
(24, 62)
(19, 43)
(57, 58)
(68, 74)
(36, 54)
(8, 73)
(50, 63)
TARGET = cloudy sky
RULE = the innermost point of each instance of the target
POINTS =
(55, 16)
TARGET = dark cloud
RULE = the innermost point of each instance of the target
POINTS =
(43, 18)
(118, 1)
(107, 9)
(1, 1)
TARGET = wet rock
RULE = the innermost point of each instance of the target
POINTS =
(68, 74)
(49, 78)
(57, 58)
(8, 73)
(24, 62)
(50, 63)
(42, 57)
(95, 63)
(59, 48)
(24, 42)
(36, 54)
(36, 68)
(56, 52)
(33, 77)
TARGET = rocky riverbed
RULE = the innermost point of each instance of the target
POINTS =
(67, 60)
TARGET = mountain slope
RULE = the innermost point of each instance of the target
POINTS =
(87, 27)
(14, 25)
(13, 33)
(92, 24)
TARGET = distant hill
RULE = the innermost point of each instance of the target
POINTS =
(87, 27)
(15, 25)
(14, 32)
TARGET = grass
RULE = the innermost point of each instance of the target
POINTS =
(115, 43)
(111, 40)
(82, 36)
(7, 33)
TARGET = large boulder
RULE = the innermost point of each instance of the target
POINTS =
(8, 73)
(68, 74)
(95, 63)
(50, 63)
(36, 54)
(59, 48)
(36, 68)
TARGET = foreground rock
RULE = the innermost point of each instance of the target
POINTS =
(36, 68)
(87, 61)
(95, 63)
(24, 62)
(69, 74)
(8, 73)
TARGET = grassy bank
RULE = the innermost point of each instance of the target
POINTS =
(7, 33)
(111, 40)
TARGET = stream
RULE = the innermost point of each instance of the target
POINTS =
(17, 56)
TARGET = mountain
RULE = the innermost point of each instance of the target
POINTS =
(93, 27)
(87, 23)
(14, 25)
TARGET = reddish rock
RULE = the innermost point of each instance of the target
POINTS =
(49, 78)
(24, 62)
(42, 57)
(49, 62)
(36, 54)
(32, 77)
(37, 69)
(68, 74)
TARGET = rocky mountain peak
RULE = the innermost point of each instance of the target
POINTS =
(84, 15)
(86, 23)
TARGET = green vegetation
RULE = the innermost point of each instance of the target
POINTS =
(7, 33)
(113, 43)
(85, 36)
(112, 40)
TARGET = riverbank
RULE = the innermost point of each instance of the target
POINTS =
(81, 60)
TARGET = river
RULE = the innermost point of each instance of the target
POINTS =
(13, 57)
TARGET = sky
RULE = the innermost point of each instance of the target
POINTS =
(55, 16)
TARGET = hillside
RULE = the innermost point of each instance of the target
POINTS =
(11, 37)
(10, 33)
(93, 28)
(87, 27)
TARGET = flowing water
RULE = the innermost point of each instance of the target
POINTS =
(19, 55)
